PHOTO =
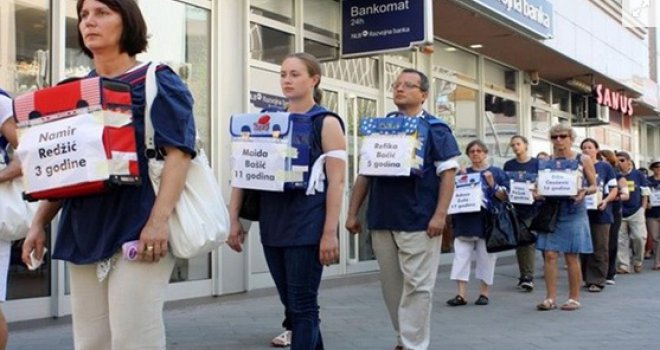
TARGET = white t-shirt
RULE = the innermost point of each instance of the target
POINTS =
(6, 112)
(5, 109)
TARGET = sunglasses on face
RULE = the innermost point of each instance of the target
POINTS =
(559, 136)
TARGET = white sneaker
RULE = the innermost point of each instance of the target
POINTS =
(282, 341)
(610, 282)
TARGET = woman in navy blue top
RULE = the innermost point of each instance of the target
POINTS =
(113, 300)
(299, 231)
(571, 235)
(595, 265)
(469, 233)
(653, 212)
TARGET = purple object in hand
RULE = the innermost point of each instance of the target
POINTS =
(130, 250)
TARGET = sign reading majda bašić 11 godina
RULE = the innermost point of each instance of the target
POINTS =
(377, 26)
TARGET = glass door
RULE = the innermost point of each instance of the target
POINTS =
(356, 252)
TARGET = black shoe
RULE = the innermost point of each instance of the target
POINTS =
(482, 300)
(526, 283)
(456, 301)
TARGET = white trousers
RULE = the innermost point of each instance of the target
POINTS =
(408, 267)
(125, 311)
(463, 253)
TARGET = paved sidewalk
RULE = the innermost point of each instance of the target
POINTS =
(624, 316)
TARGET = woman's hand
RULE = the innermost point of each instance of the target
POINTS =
(153, 240)
(580, 196)
(236, 236)
(329, 248)
(490, 180)
(35, 241)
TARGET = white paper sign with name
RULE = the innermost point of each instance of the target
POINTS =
(592, 201)
(386, 155)
(521, 192)
(558, 183)
(258, 165)
(467, 195)
(655, 197)
(62, 153)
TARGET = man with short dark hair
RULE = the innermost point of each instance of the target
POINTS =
(633, 223)
(406, 216)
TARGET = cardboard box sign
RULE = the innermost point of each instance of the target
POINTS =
(393, 146)
(76, 139)
(271, 151)
(559, 177)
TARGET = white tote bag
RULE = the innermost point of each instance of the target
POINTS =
(200, 221)
(15, 213)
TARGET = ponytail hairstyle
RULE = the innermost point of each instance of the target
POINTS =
(313, 68)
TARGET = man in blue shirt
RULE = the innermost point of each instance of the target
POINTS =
(406, 216)
(633, 224)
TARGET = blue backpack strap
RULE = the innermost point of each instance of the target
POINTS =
(313, 116)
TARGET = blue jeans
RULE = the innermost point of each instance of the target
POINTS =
(297, 275)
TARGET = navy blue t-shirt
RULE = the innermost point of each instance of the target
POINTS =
(93, 228)
(635, 180)
(606, 181)
(524, 211)
(292, 218)
(407, 203)
(654, 184)
(472, 224)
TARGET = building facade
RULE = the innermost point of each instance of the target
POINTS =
(498, 68)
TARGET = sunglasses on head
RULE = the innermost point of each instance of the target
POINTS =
(559, 136)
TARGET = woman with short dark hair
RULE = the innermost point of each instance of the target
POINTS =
(469, 232)
(118, 303)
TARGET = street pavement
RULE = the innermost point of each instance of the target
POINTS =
(623, 316)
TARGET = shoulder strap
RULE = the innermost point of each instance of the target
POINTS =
(324, 113)
(150, 92)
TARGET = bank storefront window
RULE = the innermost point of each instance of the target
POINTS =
(278, 10)
(24, 45)
(24, 66)
(454, 61)
(457, 105)
(268, 44)
(500, 78)
(500, 123)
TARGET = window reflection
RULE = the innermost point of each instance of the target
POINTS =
(500, 124)
(279, 10)
(269, 45)
(457, 105)
(25, 66)
(24, 47)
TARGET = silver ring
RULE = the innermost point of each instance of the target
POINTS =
(150, 248)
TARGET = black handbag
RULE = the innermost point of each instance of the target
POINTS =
(501, 227)
(546, 218)
(525, 235)
(250, 206)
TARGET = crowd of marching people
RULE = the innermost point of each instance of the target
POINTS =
(587, 209)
